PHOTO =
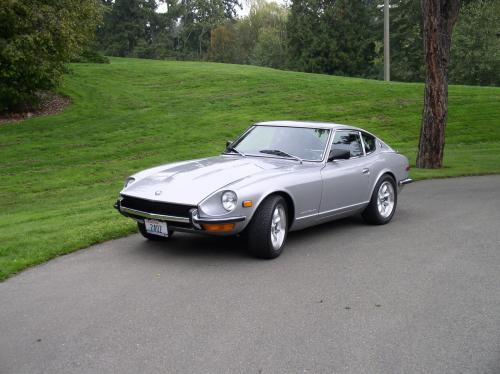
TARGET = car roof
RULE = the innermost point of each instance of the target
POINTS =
(309, 124)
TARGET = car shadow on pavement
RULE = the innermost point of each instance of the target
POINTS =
(183, 245)
(319, 232)
(193, 246)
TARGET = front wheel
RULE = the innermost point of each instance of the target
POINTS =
(268, 229)
(147, 235)
(383, 202)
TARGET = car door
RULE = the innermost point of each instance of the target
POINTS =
(345, 181)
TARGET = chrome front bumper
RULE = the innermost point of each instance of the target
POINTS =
(192, 224)
(159, 217)
(198, 220)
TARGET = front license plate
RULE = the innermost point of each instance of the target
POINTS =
(156, 227)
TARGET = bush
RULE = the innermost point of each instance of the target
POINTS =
(91, 56)
(37, 38)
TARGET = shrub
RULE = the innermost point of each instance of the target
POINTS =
(37, 38)
(91, 56)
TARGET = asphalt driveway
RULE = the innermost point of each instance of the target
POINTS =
(420, 295)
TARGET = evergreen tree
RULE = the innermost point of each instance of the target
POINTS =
(127, 24)
(475, 52)
(332, 36)
(407, 46)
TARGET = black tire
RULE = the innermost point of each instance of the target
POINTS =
(142, 230)
(259, 229)
(372, 214)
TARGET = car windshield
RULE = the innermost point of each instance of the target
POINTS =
(279, 141)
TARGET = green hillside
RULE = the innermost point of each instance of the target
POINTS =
(61, 174)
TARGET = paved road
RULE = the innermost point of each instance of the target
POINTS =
(421, 295)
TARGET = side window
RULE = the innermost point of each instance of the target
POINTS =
(348, 140)
(369, 141)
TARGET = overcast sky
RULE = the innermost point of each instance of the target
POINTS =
(243, 12)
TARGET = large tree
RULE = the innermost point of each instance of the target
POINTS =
(475, 51)
(197, 19)
(258, 38)
(439, 17)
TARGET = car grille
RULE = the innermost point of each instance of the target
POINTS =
(156, 207)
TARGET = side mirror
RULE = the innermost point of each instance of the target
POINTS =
(228, 143)
(339, 154)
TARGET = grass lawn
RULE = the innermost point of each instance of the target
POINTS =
(61, 174)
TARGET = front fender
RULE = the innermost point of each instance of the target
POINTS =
(301, 189)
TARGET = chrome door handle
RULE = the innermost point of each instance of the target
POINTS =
(366, 171)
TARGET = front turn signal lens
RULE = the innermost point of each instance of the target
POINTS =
(218, 227)
(247, 203)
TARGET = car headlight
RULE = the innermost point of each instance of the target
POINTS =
(229, 200)
(128, 182)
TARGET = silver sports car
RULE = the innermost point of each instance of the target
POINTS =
(276, 177)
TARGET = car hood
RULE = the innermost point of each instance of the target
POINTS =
(192, 181)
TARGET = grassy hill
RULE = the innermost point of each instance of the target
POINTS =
(61, 174)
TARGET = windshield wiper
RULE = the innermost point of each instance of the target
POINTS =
(281, 153)
(232, 149)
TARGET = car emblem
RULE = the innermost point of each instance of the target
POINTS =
(158, 193)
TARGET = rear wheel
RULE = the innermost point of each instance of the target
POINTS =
(268, 229)
(383, 202)
(147, 235)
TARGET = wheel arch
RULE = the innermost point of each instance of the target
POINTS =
(391, 174)
(290, 204)
(381, 175)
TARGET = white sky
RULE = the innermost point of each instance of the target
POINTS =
(162, 8)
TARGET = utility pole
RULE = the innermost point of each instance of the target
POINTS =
(387, 51)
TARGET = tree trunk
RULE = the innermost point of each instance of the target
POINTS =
(439, 18)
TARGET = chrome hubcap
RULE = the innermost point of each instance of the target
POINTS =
(385, 200)
(278, 227)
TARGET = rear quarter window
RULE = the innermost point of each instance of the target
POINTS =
(370, 143)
